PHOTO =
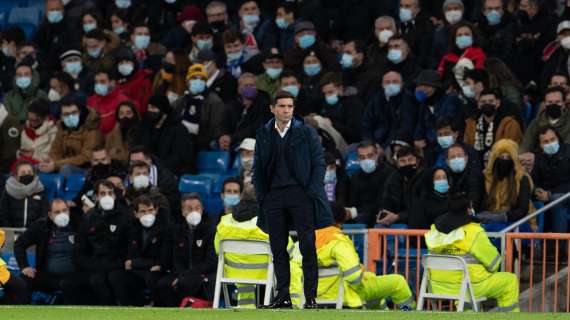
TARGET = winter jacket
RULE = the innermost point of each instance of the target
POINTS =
(10, 130)
(295, 56)
(419, 35)
(552, 173)
(225, 86)
(40, 139)
(445, 66)
(193, 248)
(106, 61)
(530, 139)
(154, 248)
(118, 146)
(508, 128)
(400, 193)
(107, 105)
(447, 106)
(497, 41)
(20, 205)
(241, 124)
(470, 182)
(346, 117)
(17, 100)
(138, 88)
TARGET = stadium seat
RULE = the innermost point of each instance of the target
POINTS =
(53, 184)
(236, 165)
(214, 205)
(199, 184)
(352, 165)
(73, 185)
(213, 162)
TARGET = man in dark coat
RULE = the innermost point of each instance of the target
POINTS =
(464, 173)
(288, 176)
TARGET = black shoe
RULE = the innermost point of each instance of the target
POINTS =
(311, 304)
(278, 303)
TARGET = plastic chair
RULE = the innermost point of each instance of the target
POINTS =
(73, 184)
(53, 184)
(199, 184)
(448, 263)
(333, 271)
(213, 162)
(242, 247)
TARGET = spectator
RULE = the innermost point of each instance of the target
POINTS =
(217, 16)
(284, 27)
(139, 185)
(358, 78)
(336, 181)
(29, 54)
(90, 20)
(76, 137)
(25, 90)
(148, 54)
(239, 57)
(9, 138)
(497, 30)
(133, 81)
(246, 151)
(400, 59)
(219, 80)
(53, 241)
(368, 184)
(202, 39)
(166, 137)
(254, 27)
(432, 200)
(559, 80)
(390, 111)
(162, 16)
(384, 30)
(62, 86)
(551, 175)
(269, 80)
(231, 194)
(556, 53)
(71, 63)
(12, 38)
(453, 12)
(202, 110)
(448, 135)
(492, 125)
(180, 37)
(15, 291)
(504, 81)
(39, 132)
(475, 81)
(24, 199)
(98, 50)
(417, 29)
(244, 116)
(342, 112)
(289, 81)
(311, 76)
(193, 257)
(306, 40)
(464, 174)
(171, 79)
(127, 132)
(119, 20)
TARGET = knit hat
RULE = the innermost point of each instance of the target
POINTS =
(70, 52)
(429, 78)
(161, 102)
(190, 13)
(196, 70)
(563, 25)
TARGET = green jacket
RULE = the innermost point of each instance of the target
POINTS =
(529, 143)
(18, 100)
(265, 83)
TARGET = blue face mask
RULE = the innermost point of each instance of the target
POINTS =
(294, 90)
(142, 42)
(463, 42)
(123, 4)
(234, 56)
(23, 82)
(273, 73)
(330, 176)
(551, 148)
(54, 16)
(441, 186)
(204, 44)
(367, 165)
(332, 99)
(405, 15)
(89, 26)
(101, 89)
(71, 121)
(347, 60)
(468, 91)
(421, 96)
(281, 23)
(126, 68)
(306, 41)
(197, 86)
(392, 89)
(119, 30)
(73, 67)
(493, 17)
(231, 200)
(445, 141)
(312, 69)
(457, 165)
(94, 53)
(250, 20)
(395, 55)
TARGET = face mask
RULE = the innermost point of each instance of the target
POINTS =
(250, 20)
(61, 220)
(73, 67)
(234, 57)
(493, 17)
(26, 179)
(248, 92)
(54, 16)
(147, 220)
(101, 89)
(312, 69)
(193, 218)
(281, 23)
(395, 55)
(94, 53)
(53, 95)
(294, 90)
(565, 42)
(392, 89)
(247, 163)
(551, 148)
(468, 91)
(273, 73)
(89, 26)
(170, 1)
(330, 176)
(332, 99)
(172, 97)
(457, 165)
(553, 111)
(231, 200)
(126, 123)
(126, 68)
(197, 86)
(503, 167)
(119, 30)
(445, 142)
(367, 165)
(71, 121)
(142, 42)
(421, 96)
(405, 15)
(153, 117)
(463, 42)
(123, 4)
(441, 186)
(218, 25)
(204, 44)
(347, 60)
(100, 171)
(306, 41)
(23, 82)
(6, 51)
(141, 182)
(408, 171)
(107, 203)
(385, 35)
(488, 110)
(453, 16)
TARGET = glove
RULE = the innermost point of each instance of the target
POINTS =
(492, 217)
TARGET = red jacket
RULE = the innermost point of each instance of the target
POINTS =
(138, 88)
(106, 107)
(475, 54)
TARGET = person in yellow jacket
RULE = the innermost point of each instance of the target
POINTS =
(460, 234)
(15, 291)
(242, 224)
(361, 288)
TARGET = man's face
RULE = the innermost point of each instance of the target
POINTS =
(231, 188)
(288, 16)
(391, 78)
(491, 5)
(117, 182)
(100, 157)
(554, 98)
(217, 13)
(547, 138)
(140, 31)
(368, 153)
(125, 112)
(488, 99)
(273, 63)
(103, 78)
(382, 25)
(302, 33)
(407, 161)
(456, 152)
(398, 44)
(246, 82)
(330, 89)
(139, 156)
(34, 120)
(445, 132)
(559, 81)
(233, 47)
(68, 111)
(409, 4)
(93, 44)
(144, 209)
(249, 8)
(429, 90)
(289, 81)
(530, 8)
(139, 171)
(23, 71)
(105, 191)
(350, 49)
(53, 5)
(283, 109)
(190, 206)
(58, 207)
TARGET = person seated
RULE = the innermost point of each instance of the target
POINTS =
(148, 257)
(14, 288)
(464, 174)
(240, 57)
(133, 81)
(26, 90)
(24, 198)
(246, 150)
(194, 260)
(219, 80)
(98, 48)
(401, 60)
(432, 200)
(311, 76)
(53, 239)
(459, 233)
(306, 40)
(289, 81)
(39, 132)
(336, 181)
(149, 54)
(448, 135)
(126, 133)
(254, 26)
(72, 65)
(358, 76)
(269, 80)
(361, 287)
(231, 194)
(170, 80)
(139, 185)
(384, 29)
(202, 39)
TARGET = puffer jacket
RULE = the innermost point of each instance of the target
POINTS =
(21, 205)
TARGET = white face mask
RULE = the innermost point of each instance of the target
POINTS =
(147, 220)
(194, 218)
(172, 97)
(141, 182)
(565, 42)
(385, 35)
(107, 203)
(53, 95)
(453, 16)
(61, 220)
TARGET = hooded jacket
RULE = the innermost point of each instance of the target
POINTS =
(22, 204)
(138, 86)
(106, 106)
(529, 141)
(40, 139)
(17, 100)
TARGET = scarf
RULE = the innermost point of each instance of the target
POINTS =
(20, 191)
(484, 138)
(330, 190)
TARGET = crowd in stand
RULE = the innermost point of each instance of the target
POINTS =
(431, 98)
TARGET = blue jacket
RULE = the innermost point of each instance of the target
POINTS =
(306, 163)
(448, 106)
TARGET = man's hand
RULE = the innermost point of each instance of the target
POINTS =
(542, 195)
(527, 160)
(225, 142)
(129, 265)
(29, 272)
(389, 219)
(155, 269)
(420, 144)
(174, 283)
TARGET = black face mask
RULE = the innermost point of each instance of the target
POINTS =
(168, 67)
(488, 110)
(26, 179)
(153, 117)
(503, 168)
(553, 111)
(101, 170)
(127, 122)
(408, 171)
(218, 25)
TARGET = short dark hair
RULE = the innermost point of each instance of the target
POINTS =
(233, 180)
(331, 78)
(15, 34)
(359, 45)
(56, 200)
(138, 164)
(140, 25)
(65, 78)
(202, 27)
(339, 212)
(69, 101)
(553, 90)
(288, 74)
(140, 149)
(110, 74)
(457, 145)
(406, 151)
(99, 147)
(191, 196)
(39, 107)
(282, 94)
(143, 200)
(95, 14)
(288, 7)
(97, 34)
(493, 92)
(559, 74)
(365, 144)
(544, 129)
(103, 183)
(232, 35)
(477, 75)
(444, 123)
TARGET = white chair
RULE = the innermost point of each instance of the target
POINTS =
(242, 247)
(333, 271)
(448, 263)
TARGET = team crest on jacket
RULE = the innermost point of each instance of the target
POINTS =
(71, 239)
(199, 243)
(13, 132)
(153, 240)
(112, 228)
(192, 110)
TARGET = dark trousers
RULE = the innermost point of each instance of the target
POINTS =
(187, 285)
(15, 292)
(283, 206)
(128, 286)
(86, 288)
(49, 283)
